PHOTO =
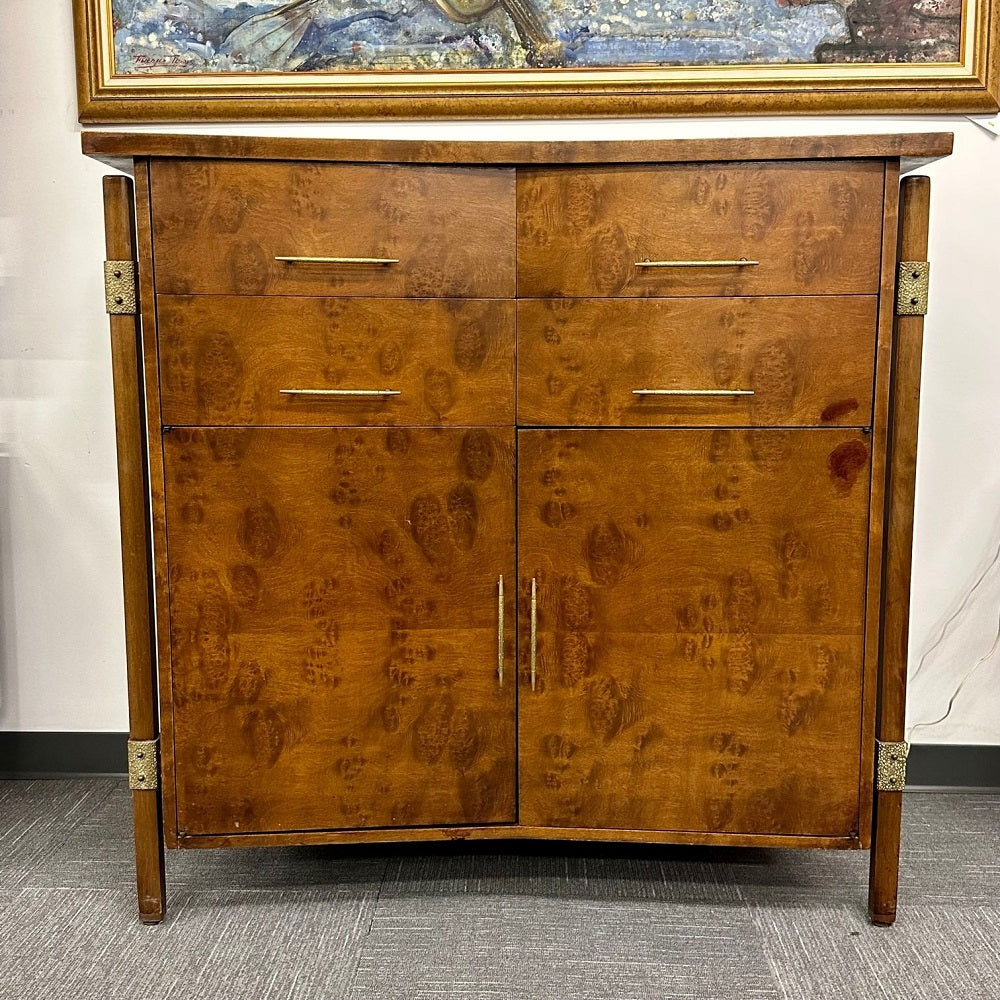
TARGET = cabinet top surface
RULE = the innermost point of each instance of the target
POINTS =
(910, 147)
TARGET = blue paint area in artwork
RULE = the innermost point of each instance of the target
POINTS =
(201, 36)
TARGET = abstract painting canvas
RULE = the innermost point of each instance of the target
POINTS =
(547, 55)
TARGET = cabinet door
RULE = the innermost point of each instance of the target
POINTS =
(700, 606)
(334, 611)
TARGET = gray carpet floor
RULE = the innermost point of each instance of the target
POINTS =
(464, 922)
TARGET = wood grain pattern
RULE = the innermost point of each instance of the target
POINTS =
(909, 146)
(137, 575)
(876, 524)
(520, 831)
(224, 360)
(333, 605)
(808, 360)
(898, 553)
(701, 603)
(218, 226)
(814, 228)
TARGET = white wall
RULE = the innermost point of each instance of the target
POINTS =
(62, 645)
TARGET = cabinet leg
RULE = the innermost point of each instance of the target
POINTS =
(149, 869)
(883, 873)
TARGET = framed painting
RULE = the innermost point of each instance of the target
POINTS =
(204, 60)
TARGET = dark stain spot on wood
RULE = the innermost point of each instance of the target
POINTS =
(846, 462)
(244, 581)
(838, 409)
(611, 553)
(463, 516)
(430, 529)
(478, 455)
(259, 531)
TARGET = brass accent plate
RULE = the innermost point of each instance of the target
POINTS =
(119, 287)
(143, 763)
(911, 287)
(891, 766)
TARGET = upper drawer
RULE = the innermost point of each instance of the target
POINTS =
(231, 360)
(697, 361)
(218, 226)
(811, 228)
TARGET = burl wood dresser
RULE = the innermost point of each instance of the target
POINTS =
(499, 490)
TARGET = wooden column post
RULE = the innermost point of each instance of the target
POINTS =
(133, 494)
(905, 389)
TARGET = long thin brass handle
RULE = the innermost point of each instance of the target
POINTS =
(339, 392)
(339, 260)
(500, 629)
(692, 392)
(742, 262)
(534, 630)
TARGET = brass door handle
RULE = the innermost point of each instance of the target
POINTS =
(534, 630)
(500, 629)
(339, 392)
(692, 392)
(384, 261)
(742, 262)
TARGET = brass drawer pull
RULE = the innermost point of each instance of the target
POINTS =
(339, 260)
(339, 392)
(692, 392)
(742, 262)
(534, 630)
(500, 629)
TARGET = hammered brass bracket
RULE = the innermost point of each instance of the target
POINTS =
(911, 287)
(143, 763)
(119, 287)
(891, 766)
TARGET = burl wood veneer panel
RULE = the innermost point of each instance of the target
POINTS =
(808, 361)
(700, 619)
(225, 360)
(814, 228)
(218, 225)
(333, 614)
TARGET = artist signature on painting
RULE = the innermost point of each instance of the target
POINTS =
(147, 61)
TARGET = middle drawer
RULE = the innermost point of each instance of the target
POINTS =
(232, 360)
(756, 361)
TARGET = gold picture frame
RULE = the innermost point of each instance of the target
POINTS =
(163, 82)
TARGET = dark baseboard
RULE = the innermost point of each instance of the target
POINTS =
(937, 765)
(53, 755)
(46, 755)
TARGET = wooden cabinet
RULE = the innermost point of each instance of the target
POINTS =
(518, 490)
